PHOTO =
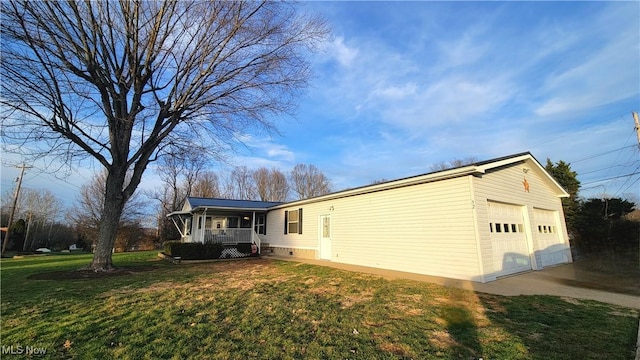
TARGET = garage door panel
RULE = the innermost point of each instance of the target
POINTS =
(508, 239)
(550, 243)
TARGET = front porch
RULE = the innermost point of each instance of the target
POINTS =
(225, 229)
(223, 221)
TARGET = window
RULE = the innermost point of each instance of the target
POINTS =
(261, 225)
(245, 222)
(505, 228)
(199, 222)
(232, 222)
(293, 222)
(326, 227)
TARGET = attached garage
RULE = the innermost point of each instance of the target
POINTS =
(476, 222)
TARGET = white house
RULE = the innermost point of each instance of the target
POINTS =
(476, 222)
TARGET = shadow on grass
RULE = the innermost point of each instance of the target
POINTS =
(90, 274)
(462, 328)
(546, 325)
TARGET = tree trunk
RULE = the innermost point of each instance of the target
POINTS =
(114, 202)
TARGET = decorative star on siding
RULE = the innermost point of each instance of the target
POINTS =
(526, 185)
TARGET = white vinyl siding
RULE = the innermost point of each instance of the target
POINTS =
(435, 224)
(426, 229)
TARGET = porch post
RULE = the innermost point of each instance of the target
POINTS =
(253, 231)
(204, 225)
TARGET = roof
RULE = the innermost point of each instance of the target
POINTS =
(477, 168)
(199, 202)
(196, 204)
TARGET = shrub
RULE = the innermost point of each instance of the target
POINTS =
(172, 248)
(193, 251)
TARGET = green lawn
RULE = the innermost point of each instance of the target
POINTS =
(272, 309)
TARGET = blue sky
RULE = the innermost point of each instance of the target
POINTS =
(403, 85)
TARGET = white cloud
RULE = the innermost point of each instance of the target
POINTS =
(262, 152)
(450, 100)
(396, 92)
(609, 72)
(467, 50)
(344, 54)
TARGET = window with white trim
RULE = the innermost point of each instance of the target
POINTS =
(293, 221)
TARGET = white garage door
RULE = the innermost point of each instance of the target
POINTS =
(552, 248)
(508, 239)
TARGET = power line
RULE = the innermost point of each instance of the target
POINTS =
(625, 183)
(613, 177)
(629, 187)
(625, 165)
(618, 156)
(614, 164)
(604, 153)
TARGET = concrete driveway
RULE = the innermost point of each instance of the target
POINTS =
(570, 280)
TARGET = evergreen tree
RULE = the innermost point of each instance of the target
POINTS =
(568, 179)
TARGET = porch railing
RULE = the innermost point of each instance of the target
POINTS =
(232, 236)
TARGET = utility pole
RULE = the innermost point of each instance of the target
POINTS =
(13, 208)
(635, 118)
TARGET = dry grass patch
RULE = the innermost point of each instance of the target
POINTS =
(402, 350)
(442, 339)
(352, 299)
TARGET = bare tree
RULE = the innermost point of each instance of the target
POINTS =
(307, 181)
(444, 165)
(88, 212)
(40, 210)
(379, 181)
(271, 185)
(124, 82)
(43, 210)
(178, 174)
(206, 185)
(239, 184)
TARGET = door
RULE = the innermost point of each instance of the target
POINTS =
(325, 237)
(508, 239)
(552, 248)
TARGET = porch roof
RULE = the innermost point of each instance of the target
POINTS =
(230, 204)
(198, 204)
